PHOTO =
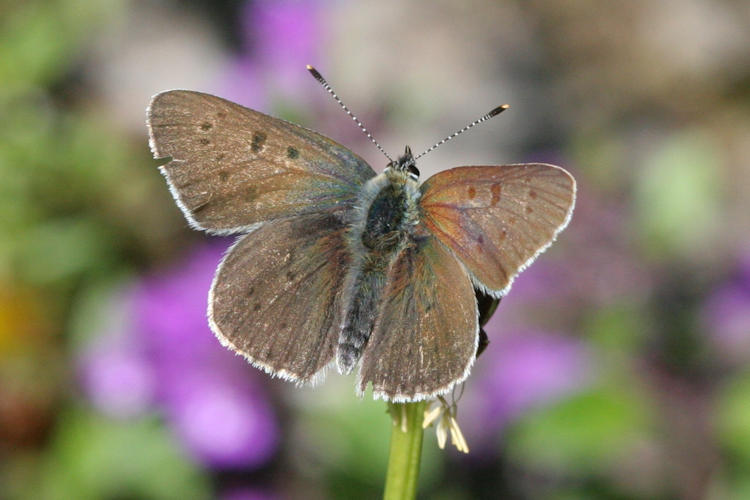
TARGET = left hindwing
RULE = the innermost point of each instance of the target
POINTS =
(496, 220)
(425, 336)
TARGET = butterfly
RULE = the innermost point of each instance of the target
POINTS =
(337, 265)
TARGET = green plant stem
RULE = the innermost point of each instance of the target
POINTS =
(406, 451)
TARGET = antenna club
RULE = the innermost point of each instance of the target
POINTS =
(486, 117)
(315, 73)
(498, 110)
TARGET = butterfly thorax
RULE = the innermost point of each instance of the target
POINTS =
(386, 222)
(386, 217)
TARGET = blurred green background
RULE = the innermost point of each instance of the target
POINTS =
(618, 364)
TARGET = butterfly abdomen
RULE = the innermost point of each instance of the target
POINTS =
(387, 213)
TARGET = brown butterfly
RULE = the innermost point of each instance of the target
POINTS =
(339, 265)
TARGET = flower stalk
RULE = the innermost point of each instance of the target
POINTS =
(406, 450)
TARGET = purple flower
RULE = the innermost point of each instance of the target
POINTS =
(247, 494)
(165, 358)
(113, 372)
(529, 369)
(726, 315)
(519, 372)
(212, 397)
(117, 380)
(279, 39)
(563, 281)
(284, 34)
(225, 423)
(171, 310)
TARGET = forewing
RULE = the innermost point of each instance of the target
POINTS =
(233, 167)
(276, 296)
(496, 220)
(425, 337)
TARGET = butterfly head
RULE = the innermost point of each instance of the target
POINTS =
(406, 164)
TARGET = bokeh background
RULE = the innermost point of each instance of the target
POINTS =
(618, 365)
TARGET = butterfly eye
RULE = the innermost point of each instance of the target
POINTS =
(413, 171)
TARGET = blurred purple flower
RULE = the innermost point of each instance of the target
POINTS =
(522, 371)
(224, 422)
(529, 369)
(211, 396)
(112, 371)
(278, 39)
(563, 281)
(167, 357)
(116, 378)
(247, 494)
(284, 34)
(726, 315)
(171, 311)
(242, 84)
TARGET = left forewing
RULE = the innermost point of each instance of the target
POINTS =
(497, 220)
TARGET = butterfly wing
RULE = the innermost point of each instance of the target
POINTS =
(425, 338)
(497, 220)
(232, 167)
(276, 295)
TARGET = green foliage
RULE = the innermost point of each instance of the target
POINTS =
(350, 439)
(617, 329)
(586, 432)
(40, 40)
(734, 418)
(94, 457)
(677, 196)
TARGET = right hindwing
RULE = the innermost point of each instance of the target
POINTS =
(276, 297)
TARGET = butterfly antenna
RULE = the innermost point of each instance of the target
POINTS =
(316, 74)
(486, 117)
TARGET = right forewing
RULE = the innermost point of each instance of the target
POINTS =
(232, 167)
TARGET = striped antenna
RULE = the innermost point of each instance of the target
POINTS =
(316, 74)
(486, 117)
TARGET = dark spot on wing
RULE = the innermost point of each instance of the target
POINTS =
(292, 153)
(206, 126)
(472, 192)
(259, 139)
(251, 193)
(495, 189)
